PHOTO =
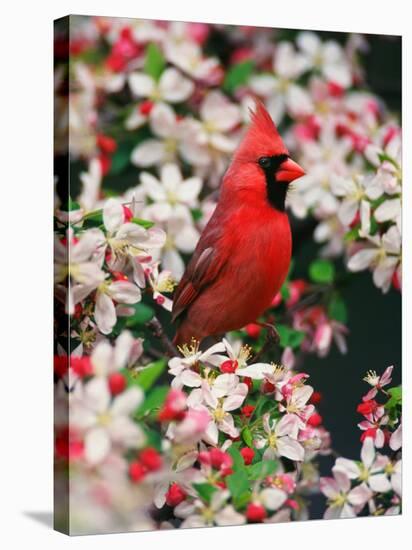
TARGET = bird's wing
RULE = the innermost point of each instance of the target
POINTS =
(201, 271)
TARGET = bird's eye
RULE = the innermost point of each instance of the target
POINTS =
(264, 162)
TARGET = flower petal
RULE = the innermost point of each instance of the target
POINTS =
(96, 445)
(113, 215)
(105, 313)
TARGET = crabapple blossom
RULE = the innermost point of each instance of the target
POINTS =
(129, 243)
(372, 426)
(80, 259)
(224, 396)
(395, 441)
(106, 423)
(343, 502)
(91, 185)
(109, 293)
(328, 57)
(172, 86)
(168, 192)
(377, 382)
(369, 470)
(280, 90)
(182, 237)
(383, 257)
(165, 145)
(230, 433)
(218, 512)
(180, 367)
(280, 438)
(188, 57)
(161, 282)
(218, 118)
(107, 359)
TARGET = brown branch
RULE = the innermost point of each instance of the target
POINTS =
(157, 329)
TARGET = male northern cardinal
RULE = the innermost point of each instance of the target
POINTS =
(244, 252)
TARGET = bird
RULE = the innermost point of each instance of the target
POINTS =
(244, 252)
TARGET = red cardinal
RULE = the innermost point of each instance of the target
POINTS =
(244, 252)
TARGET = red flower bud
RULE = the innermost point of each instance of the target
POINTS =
(119, 276)
(268, 387)
(219, 458)
(151, 459)
(335, 89)
(145, 107)
(247, 410)
(175, 495)
(253, 330)
(128, 214)
(370, 432)
(255, 513)
(367, 407)
(117, 383)
(248, 381)
(396, 281)
(247, 454)
(136, 471)
(106, 144)
(315, 420)
(229, 366)
(105, 163)
(315, 398)
(82, 366)
(292, 504)
(61, 364)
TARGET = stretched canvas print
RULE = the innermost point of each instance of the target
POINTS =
(227, 275)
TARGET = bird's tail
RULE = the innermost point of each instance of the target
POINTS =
(185, 334)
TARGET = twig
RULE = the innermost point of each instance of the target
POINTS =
(272, 338)
(156, 354)
(158, 331)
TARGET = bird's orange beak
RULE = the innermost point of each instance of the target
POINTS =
(288, 171)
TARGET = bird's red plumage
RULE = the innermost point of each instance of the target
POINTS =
(243, 255)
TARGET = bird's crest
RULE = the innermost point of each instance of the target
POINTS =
(261, 138)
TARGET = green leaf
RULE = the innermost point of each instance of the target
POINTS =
(337, 309)
(262, 469)
(197, 214)
(385, 157)
(241, 500)
(121, 158)
(238, 462)
(263, 405)
(322, 271)
(153, 437)
(237, 483)
(154, 61)
(247, 436)
(284, 292)
(70, 205)
(144, 223)
(395, 397)
(142, 315)
(290, 337)
(205, 491)
(93, 219)
(153, 401)
(352, 235)
(147, 377)
(238, 75)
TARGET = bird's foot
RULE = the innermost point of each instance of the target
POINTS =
(272, 334)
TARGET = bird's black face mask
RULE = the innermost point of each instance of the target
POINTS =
(276, 190)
